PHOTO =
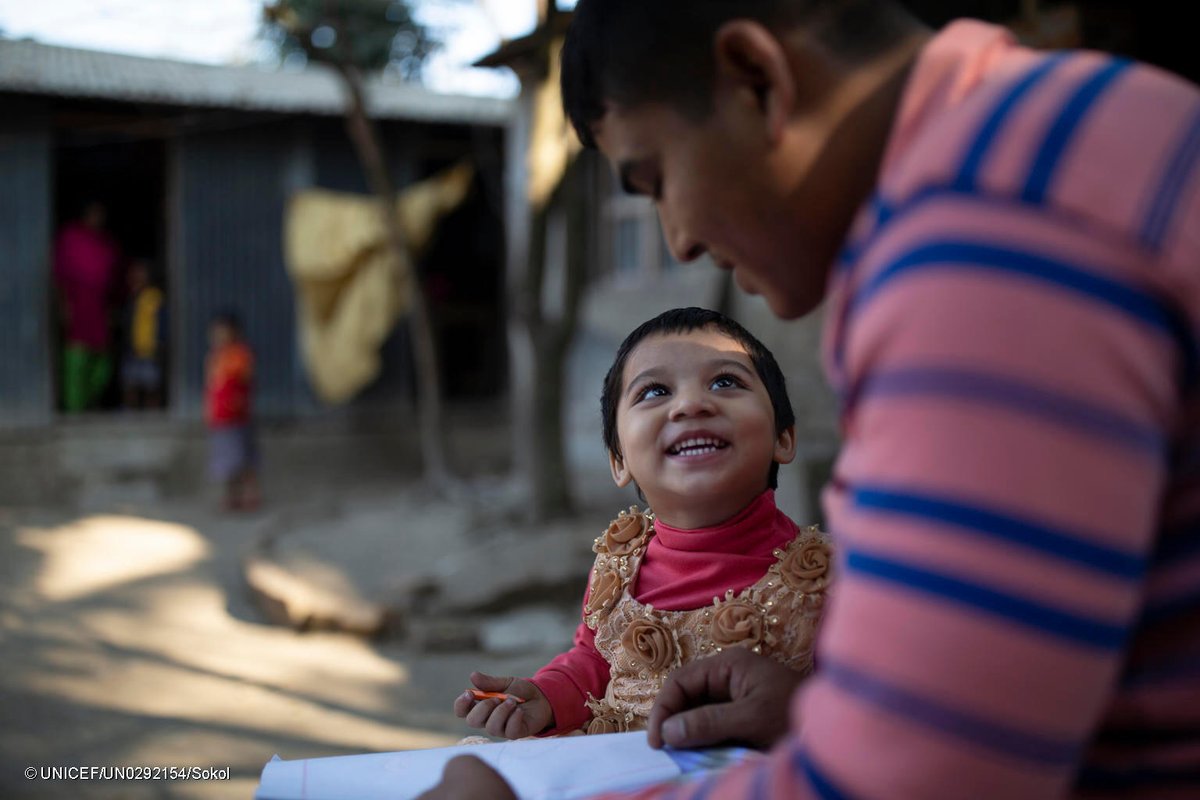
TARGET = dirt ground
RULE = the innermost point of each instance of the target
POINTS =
(127, 639)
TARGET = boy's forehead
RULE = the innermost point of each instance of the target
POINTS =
(627, 132)
(610, 141)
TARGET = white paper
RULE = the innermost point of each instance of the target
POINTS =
(536, 769)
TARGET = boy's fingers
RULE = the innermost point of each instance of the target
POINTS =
(735, 695)
(705, 725)
(708, 680)
(691, 685)
(664, 707)
(671, 699)
(489, 683)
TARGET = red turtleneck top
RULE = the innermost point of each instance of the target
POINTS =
(681, 570)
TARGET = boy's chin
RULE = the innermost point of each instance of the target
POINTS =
(787, 306)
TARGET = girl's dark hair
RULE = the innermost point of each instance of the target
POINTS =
(632, 52)
(684, 320)
(227, 318)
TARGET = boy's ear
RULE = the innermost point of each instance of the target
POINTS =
(755, 63)
(785, 445)
(620, 473)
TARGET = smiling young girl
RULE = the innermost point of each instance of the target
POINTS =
(696, 415)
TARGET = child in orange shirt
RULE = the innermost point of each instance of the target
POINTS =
(233, 451)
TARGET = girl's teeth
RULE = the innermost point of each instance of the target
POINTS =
(696, 447)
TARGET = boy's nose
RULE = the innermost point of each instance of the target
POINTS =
(683, 246)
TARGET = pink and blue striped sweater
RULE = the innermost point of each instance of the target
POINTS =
(1012, 330)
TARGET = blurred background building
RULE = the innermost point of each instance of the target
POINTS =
(196, 164)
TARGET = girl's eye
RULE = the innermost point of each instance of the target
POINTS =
(651, 391)
(726, 382)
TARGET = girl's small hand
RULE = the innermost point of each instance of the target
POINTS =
(505, 718)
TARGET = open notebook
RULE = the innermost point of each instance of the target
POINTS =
(568, 767)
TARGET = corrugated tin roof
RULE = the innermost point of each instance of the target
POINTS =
(32, 68)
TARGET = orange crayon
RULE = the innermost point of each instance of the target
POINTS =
(481, 695)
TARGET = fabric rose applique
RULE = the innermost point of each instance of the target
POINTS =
(626, 533)
(606, 718)
(606, 724)
(606, 588)
(737, 623)
(805, 568)
(651, 643)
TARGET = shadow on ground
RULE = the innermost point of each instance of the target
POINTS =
(128, 640)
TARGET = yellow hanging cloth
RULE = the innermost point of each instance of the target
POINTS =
(350, 290)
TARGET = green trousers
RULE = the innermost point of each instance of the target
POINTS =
(85, 376)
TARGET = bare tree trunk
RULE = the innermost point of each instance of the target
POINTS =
(367, 143)
(539, 340)
(538, 397)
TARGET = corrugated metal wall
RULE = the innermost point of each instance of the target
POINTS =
(228, 200)
(25, 176)
(226, 195)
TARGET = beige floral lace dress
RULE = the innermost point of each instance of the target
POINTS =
(777, 616)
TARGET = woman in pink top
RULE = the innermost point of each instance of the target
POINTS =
(85, 267)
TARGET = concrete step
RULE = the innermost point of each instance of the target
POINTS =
(431, 570)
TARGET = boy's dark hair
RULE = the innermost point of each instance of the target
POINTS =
(227, 318)
(685, 320)
(632, 52)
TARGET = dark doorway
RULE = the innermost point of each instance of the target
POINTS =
(96, 161)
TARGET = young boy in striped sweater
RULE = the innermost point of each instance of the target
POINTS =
(1007, 245)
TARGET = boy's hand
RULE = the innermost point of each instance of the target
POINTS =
(505, 718)
(468, 778)
(734, 696)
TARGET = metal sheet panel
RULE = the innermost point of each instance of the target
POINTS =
(25, 175)
(231, 191)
